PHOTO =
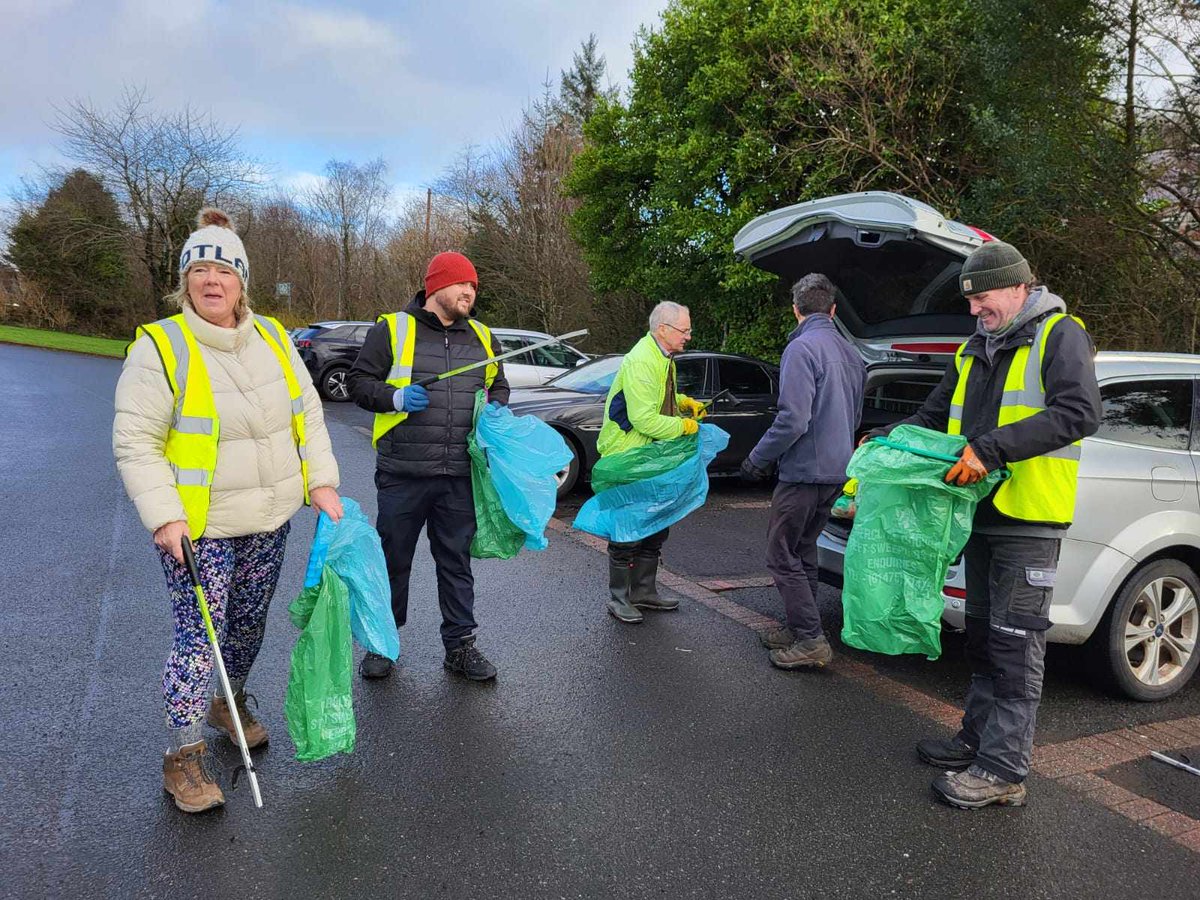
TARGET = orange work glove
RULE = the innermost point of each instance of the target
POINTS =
(967, 470)
(690, 426)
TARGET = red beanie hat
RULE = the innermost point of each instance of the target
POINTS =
(446, 269)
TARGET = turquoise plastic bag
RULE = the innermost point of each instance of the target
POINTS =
(908, 527)
(352, 549)
(523, 456)
(629, 512)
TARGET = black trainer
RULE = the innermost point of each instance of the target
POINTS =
(466, 660)
(951, 753)
(375, 666)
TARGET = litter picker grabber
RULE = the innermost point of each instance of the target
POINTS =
(189, 559)
(425, 382)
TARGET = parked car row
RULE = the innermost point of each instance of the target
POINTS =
(328, 349)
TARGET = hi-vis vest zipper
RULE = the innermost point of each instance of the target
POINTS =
(403, 330)
(195, 430)
(1041, 489)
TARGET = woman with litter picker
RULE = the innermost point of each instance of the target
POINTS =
(219, 436)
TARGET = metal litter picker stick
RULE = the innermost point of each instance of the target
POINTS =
(189, 559)
(1162, 757)
(425, 382)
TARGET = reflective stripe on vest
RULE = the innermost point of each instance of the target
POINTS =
(1041, 489)
(402, 329)
(195, 431)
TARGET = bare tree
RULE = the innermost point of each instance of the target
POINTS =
(349, 206)
(468, 185)
(162, 167)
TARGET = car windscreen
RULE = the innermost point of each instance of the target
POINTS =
(595, 377)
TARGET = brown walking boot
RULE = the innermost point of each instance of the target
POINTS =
(811, 653)
(219, 718)
(187, 779)
(777, 638)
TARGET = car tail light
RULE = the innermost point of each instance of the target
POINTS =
(927, 347)
(983, 234)
(958, 593)
(303, 343)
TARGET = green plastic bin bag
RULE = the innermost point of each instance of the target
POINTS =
(319, 705)
(496, 537)
(908, 527)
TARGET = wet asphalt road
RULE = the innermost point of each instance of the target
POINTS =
(666, 760)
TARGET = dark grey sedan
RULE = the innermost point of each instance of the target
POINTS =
(573, 404)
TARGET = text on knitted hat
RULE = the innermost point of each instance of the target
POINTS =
(215, 241)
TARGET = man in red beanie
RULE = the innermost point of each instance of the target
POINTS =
(422, 469)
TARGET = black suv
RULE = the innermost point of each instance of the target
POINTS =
(329, 349)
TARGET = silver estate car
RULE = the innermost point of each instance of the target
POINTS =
(1127, 578)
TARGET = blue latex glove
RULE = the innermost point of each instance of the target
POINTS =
(411, 399)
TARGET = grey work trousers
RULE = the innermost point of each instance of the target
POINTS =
(1010, 582)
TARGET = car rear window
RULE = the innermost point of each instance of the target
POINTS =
(1152, 413)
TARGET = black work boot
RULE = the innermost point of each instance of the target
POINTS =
(619, 607)
(643, 585)
(466, 660)
(976, 788)
(375, 666)
(951, 753)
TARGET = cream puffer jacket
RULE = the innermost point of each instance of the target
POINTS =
(257, 484)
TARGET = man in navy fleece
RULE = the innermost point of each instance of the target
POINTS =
(822, 378)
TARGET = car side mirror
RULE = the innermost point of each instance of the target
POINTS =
(579, 362)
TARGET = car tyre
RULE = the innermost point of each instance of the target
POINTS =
(568, 478)
(333, 386)
(1151, 631)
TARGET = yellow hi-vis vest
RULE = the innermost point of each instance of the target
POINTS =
(1041, 489)
(403, 330)
(192, 439)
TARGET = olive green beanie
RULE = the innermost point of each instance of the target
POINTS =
(994, 265)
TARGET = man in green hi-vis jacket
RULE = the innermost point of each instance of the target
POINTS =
(643, 406)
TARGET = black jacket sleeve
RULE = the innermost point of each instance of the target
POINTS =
(367, 378)
(1072, 403)
(499, 390)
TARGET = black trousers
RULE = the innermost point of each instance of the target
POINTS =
(647, 548)
(798, 514)
(444, 506)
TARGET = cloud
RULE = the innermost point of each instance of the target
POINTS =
(305, 82)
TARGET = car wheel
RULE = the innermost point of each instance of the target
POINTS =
(333, 384)
(568, 477)
(1152, 629)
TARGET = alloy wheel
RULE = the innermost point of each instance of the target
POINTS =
(1160, 633)
(335, 385)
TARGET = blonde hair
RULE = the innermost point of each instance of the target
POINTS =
(179, 297)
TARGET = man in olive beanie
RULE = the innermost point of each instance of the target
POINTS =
(1022, 391)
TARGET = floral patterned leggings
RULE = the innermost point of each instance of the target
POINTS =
(239, 577)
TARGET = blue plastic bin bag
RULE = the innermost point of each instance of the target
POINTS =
(523, 456)
(351, 548)
(630, 512)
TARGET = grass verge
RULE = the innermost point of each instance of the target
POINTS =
(60, 340)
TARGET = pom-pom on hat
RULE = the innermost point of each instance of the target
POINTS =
(215, 241)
